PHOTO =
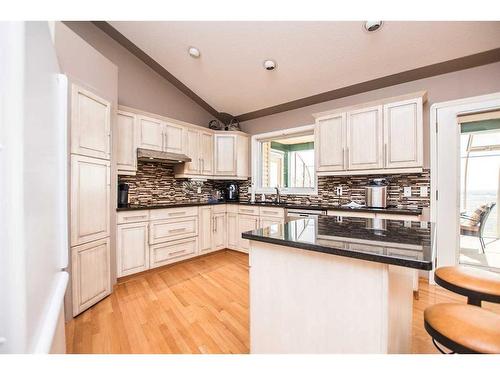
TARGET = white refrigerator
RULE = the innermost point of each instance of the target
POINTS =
(33, 190)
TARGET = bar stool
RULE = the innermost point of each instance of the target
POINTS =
(477, 285)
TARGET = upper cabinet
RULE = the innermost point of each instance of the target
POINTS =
(206, 153)
(173, 135)
(382, 138)
(90, 124)
(403, 139)
(126, 133)
(150, 133)
(231, 155)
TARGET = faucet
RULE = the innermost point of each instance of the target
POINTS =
(278, 195)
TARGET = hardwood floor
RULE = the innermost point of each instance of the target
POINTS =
(197, 306)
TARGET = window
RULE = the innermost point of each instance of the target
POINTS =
(285, 161)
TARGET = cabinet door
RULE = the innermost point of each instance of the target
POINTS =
(225, 155)
(90, 273)
(150, 133)
(403, 127)
(191, 142)
(246, 223)
(207, 153)
(126, 156)
(174, 136)
(132, 251)
(90, 124)
(90, 192)
(232, 230)
(330, 143)
(206, 229)
(364, 139)
(268, 221)
(219, 233)
(172, 251)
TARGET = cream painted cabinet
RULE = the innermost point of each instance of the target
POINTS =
(206, 229)
(132, 253)
(246, 223)
(91, 280)
(126, 155)
(206, 153)
(90, 124)
(364, 138)
(173, 135)
(232, 230)
(219, 231)
(150, 133)
(90, 199)
(192, 149)
(403, 139)
(330, 139)
(268, 221)
(231, 155)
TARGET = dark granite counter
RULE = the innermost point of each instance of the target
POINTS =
(316, 207)
(401, 243)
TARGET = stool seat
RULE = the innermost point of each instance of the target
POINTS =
(463, 328)
(478, 285)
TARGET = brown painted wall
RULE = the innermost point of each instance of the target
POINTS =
(470, 82)
(138, 85)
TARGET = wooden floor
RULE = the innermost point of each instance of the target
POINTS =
(198, 306)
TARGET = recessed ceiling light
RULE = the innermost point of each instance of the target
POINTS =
(373, 25)
(269, 64)
(194, 52)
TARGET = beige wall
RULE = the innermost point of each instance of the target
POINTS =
(138, 85)
(470, 82)
(89, 69)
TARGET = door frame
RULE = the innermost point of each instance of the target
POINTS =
(448, 255)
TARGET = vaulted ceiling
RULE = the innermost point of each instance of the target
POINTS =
(312, 57)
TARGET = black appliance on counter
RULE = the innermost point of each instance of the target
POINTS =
(123, 194)
(232, 191)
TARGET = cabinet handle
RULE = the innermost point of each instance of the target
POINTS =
(270, 212)
(135, 217)
(177, 230)
(343, 158)
(386, 156)
(178, 252)
(347, 157)
(213, 224)
(177, 213)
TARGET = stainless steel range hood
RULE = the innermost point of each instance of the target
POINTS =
(170, 158)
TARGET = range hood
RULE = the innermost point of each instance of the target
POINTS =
(153, 156)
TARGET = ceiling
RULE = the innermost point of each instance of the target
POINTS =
(312, 57)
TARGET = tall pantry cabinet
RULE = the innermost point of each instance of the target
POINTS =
(90, 184)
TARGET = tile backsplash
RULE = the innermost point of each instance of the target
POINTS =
(155, 184)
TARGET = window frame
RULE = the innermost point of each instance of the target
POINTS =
(256, 153)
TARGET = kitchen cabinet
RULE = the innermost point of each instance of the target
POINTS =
(90, 124)
(126, 155)
(172, 229)
(206, 153)
(403, 138)
(246, 223)
(199, 147)
(330, 138)
(90, 273)
(90, 199)
(173, 135)
(150, 133)
(219, 231)
(231, 155)
(206, 229)
(232, 230)
(173, 251)
(364, 138)
(132, 248)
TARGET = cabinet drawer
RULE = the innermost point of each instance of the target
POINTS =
(168, 213)
(172, 251)
(232, 207)
(219, 209)
(369, 215)
(272, 212)
(172, 229)
(248, 210)
(132, 216)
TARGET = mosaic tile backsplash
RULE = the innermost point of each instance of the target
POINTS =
(155, 184)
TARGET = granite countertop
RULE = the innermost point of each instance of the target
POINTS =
(312, 206)
(396, 242)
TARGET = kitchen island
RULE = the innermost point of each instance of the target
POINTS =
(335, 284)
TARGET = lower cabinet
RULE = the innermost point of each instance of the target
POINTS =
(246, 223)
(219, 231)
(133, 251)
(206, 229)
(172, 251)
(268, 221)
(91, 279)
(232, 230)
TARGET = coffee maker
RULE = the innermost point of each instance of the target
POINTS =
(232, 192)
(123, 195)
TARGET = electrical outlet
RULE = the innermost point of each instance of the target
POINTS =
(338, 190)
(198, 190)
(423, 191)
(407, 191)
(423, 225)
(407, 224)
